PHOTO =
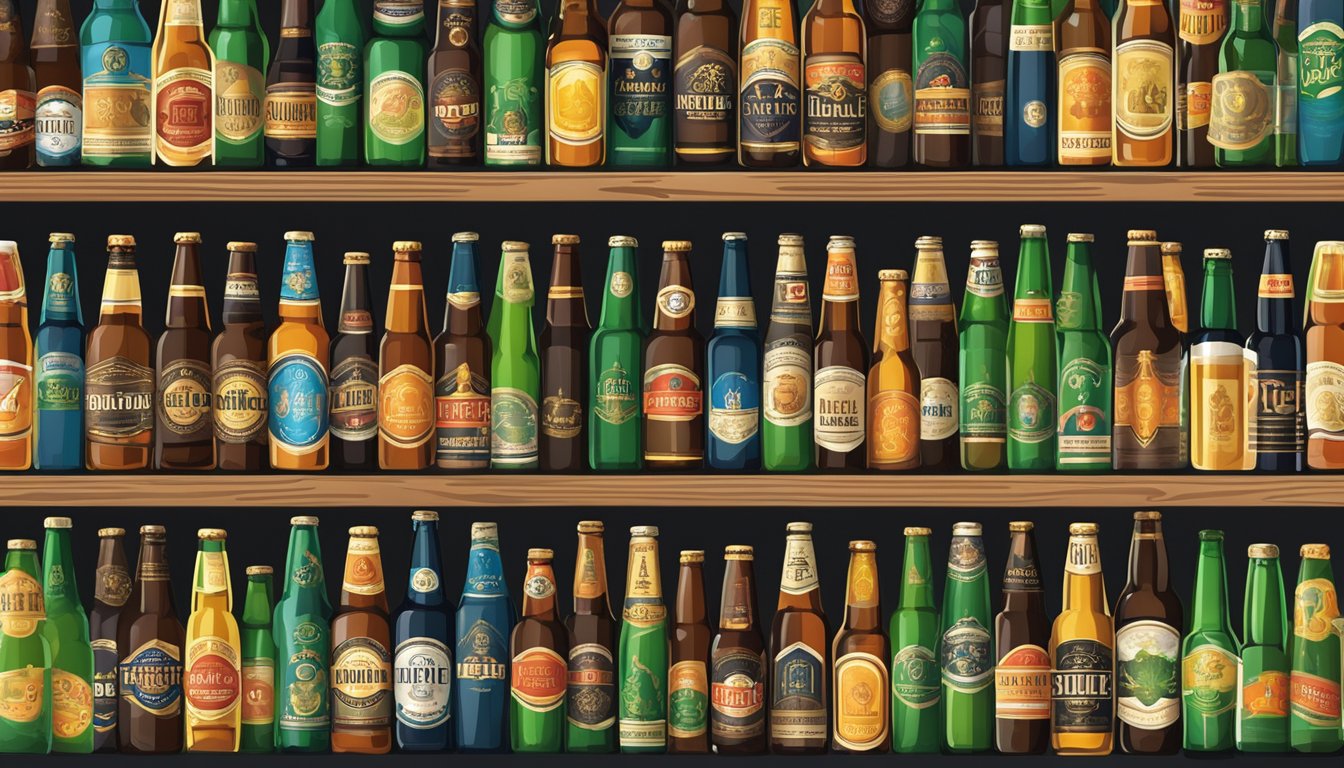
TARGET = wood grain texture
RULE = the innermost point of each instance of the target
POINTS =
(800, 491)
(719, 186)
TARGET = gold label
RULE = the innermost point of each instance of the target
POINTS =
(1276, 286)
(1315, 608)
(406, 407)
(987, 114)
(861, 707)
(1143, 83)
(240, 91)
(363, 567)
(21, 604)
(895, 427)
(1325, 400)
(1084, 106)
(1032, 37)
(621, 284)
(181, 13)
(21, 694)
(735, 312)
(590, 575)
(575, 90)
(1084, 558)
(71, 705)
(1241, 112)
(1146, 401)
(291, 111)
(842, 277)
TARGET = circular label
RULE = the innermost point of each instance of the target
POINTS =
(621, 284)
(676, 301)
(424, 580)
(1033, 113)
(396, 107)
(892, 96)
(239, 92)
(423, 689)
(457, 103)
(406, 407)
(213, 679)
(184, 396)
(539, 586)
(240, 401)
(71, 705)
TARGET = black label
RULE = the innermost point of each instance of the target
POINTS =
(737, 696)
(1279, 422)
(104, 689)
(1080, 687)
(591, 690)
(889, 11)
(354, 399)
(455, 104)
(1021, 574)
(705, 79)
(118, 399)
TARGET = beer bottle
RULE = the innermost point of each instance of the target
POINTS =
(16, 364)
(674, 369)
(839, 362)
(1275, 356)
(538, 674)
(1082, 654)
(1325, 356)
(515, 370)
(942, 89)
(914, 631)
(933, 327)
(150, 641)
(121, 136)
(394, 74)
(118, 379)
(241, 59)
(17, 92)
(25, 654)
(639, 64)
(1085, 378)
(890, 92)
(484, 621)
(1173, 283)
(361, 652)
(576, 63)
(462, 367)
(57, 131)
(1200, 37)
(688, 677)
(1032, 359)
(405, 369)
(590, 693)
(423, 660)
(1029, 121)
(67, 631)
(768, 83)
(455, 87)
(734, 359)
(1263, 686)
(1319, 141)
(1247, 63)
(988, 80)
(301, 630)
(1022, 634)
(966, 647)
(184, 432)
(1148, 623)
(58, 353)
(1148, 353)
(982, 368)
(1142, 84)
(238, 360)
(893, 380)
(184, 91)
(1084, 92)
(212, 682)
(564, 350)
(786, 431)
(704, 109)
(515, 61)
(1315, 718)
(297, 357)
(737, 663)
(614, 365)
(257, 733)
(355, 429)
(835, 99)
(291, 121)
(1210, 653)
(111, 589)
(646, 700)
(339, 36)
(860, 650)
(799, 672)
(1218, 418)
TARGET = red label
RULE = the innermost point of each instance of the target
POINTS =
(1315, 699)
(355, 321)
(463, 411)
(672, 393)
(539, 678)
(212, 684)
(737, 697)
(184, 113)
(259, 693)
(1022, 684)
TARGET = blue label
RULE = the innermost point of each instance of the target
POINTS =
(152, 678)
(482, 655)
(485, 577)
(299, 280)
(798, 680)
(641, 77)
(734, 407)
(298, 395)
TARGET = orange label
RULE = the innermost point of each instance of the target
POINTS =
(894, 416)
(258, 692)
(1315, 700)
(16, 400)
(1084, 106)
(842, 277)
(1022, 684)
(539, 678)
(406, 406)
(1146, 402)
(1145, 283)
(1033, 311)
(1266, 695)
(1198, 104)
(363, 567)
(1276, 286)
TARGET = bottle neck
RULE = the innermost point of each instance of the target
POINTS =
(539, 591)
(304, 579)
(1021, 575)
(1209, 610)
(1148, 558)
(1145, 296)
(1328, 290)
(738, 604)
(356, 301)
(893, 332)
(186, 293)
(985, 301)
(406, 296)
(931, 311)
(1079, 309)
(235, 14)
(455, 29)
(121, 289)
(840, 293)
(691, 595)
(151, 579)
(863, 604)
(60, 295)
(362, 586)
(620, 302)
(26, 560)
(299, 299)
(735, 309)
(424, 587)
(399, 18)
(1033, 271)
(211, 589)
(1084, 586)
(590, 577)
(242, 297)
(257, 602)
(1248, 16)
(792, 304)
(58, 579)
(1217, 309)
(916, 584)
(799, 587)
(113, 580)
(565, 305)
(294, 14)
(485, 573)
(1265, 615)
(514, 295)
(462, 312)
(676, 294)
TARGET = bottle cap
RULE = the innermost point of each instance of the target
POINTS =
(465, 237)
(677, 246)
(61, 237)
(300, 236)
(591, 526)
(862, 545)
(56, 522)
(692, 556)
(303, 520)
(1210, 534)
(514, 246)
(153, 530)
(1262, 551)
(648, 531)
(1171, 247)
(798, 527)
(1031, 230)
(738, 552)
(403, 246)
(918, 531)
(622, 241)
(1021, 526)
(1276, 234)
(259, 570)
(1217, 253)
(840, 242)
(1083, 529)
(886, 275)
(734, 236)
(539, 553)
(21, 544)
(356, 257)
(564, 239)
(187, 237)
(121, 241)
(967, 529)
(484, 531)
(242, 247)
(364, 531)
(1080, 237)
(790, 239)
(1315, 551)
(212, 534)
(111, 533)
(929, 242)
(425, 515)
(1142, 236)
(1148, 514)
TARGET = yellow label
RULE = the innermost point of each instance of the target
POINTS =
(213, 573)
(1241, 114)
(21, 605)
(1084, 106)
(239, 93)
(1325, 400)
(406, 406)
(574, 104)
(396, 107)
(861, 701)
(21, 694)
(182, 13)
(71, 705)
(1315, 608)
(894, 416)
(1143, 82)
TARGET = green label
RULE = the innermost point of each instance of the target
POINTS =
(616, 395)
(1320, 66)
(513, 122)
(1148, 674)
(338, 74)
(513, 426)
(1068, 310)
(60, 382)
(688, 699)
(304, 682)
(914, 677)
(1031, 414)
(984, 414)
(1084, 420)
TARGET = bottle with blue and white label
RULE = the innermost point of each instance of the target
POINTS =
(298, 354)
(58, 412)
(734, 363)
(485, 620)
(423, 664)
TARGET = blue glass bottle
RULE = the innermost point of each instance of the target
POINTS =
(734, 364)
(484, 621)
(1029, 115)
(1275, 358)
(423, 665)
(1320, 82)
(58, 419)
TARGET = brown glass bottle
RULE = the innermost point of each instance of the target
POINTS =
(564, 363)
(60, 87)
(1202, 25)
(933, 341)
(455, 87)
(674, 369)
(462, 367)
(591, 691)
(290, 126)
(1022, 632)
(737, 663)
(768, 85)
(840, 360)
(704, 100)
(406, 368)
(17, 91)
(361, 652)
(890, 87)
(835, 86)
(118, 379)
(111, 589)
(150, 640)
(1143, 85)
(238, 362)
(691, 639)
(1148, 616)
(354, 372)
(800, 670)
(989, 77)
(538, 644)
(861, 651)
(184, 429)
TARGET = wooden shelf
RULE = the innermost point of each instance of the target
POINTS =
(670, 491)
(687, 186)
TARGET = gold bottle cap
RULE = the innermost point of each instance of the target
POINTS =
(21, 544)
(121, 241)
(887, 275)
(967, 529)
(111, 533)
(692, 556)
(465, 237)
(1080, 237)
(356, 257)
(564, 239)
(591, 526)
(1217, 253)
(403, 246)
(1315, 551)
(187, 237)
(61, 237)
(622, 241)
(540, 553)
(646, 531)
(840, 242)
(799, 527)
(677, 246)
(57, 523)
(364, 531)
(1021, 526)
(514, 246)
(1148, 514)
(1031, 230)
(1083, 529)
(1142, 236)
(259, 570)
(1171, 247)
(425, 515)
(738, 552)
(984, 244)
(734, 236)
(242, 246)
(212, 534)
(484, 531)
(929, 242)
(153, 531)
(303, 520)
(300, 236)
(863, 545)
(918, 531)
(790, 238)
(1263, 551)
(1276, 234)
(1210, 534)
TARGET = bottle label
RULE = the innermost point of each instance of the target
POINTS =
(797, 704)
(185, 392)
(735, 312)
(1147, 395)
(181, 13)
(22, 609)
(987, 113)
(304, 684)
(117, 77)
(105, 685)
(239, 404)
(840, 415)
(836, 102)
(1202, 21)
(966, 558)
(688, 700)
(258, 691)
(112, 585)
(1031, 414)
(887, 12)
(118, 399)
(1279, 424)
(1325, 395)
(704, 81)
(861, 714)
(640, 76)
(1275, 286)
(406, 407)
(574, 97)
(354, 399)
(1022, 684)
(71, 705)
(513, 426)
(1209, 681)
(675, 301)
(1148, 675)
(938, 400)
(479, 652)
(788, 373)
(183, 98)
(1021, 574)
(1242, 111)
(1143, 103)
(1080, 686)
(514, 13)
(1033, 311)
(298, 283)
(591, 689)
(915, 677)
(211, 686)
(239, 93)
(891, 97)
(984, 278)
(734, 408)
(1198, 105)
(1032, 37)
(984, 413)
(28, 706)
(1083, 558)
(967, 660)
(942, 97)
(1264, 695)
(59, 298)
(769, 95)
(423, 687)
(1084, 426)
(617, 395)
(291, 111)
(1320, 49)
(297, 391)
(338, 74)
(538, 679)
(672, 393)
(512, 129)
(561, 416)
(397, 107)
(1085, 106)
(455, 98)
(363, 567)
(800, 567)
(463, 416)
(58, 122)
(737, 696)
(895, 416)
(1315, 608)
(1315, 700)
(16, 400)
(424, 580)
(151, 678)
(361, 684)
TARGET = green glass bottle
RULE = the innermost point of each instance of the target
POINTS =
(258, 733)
(786, 433)
(983, 365)
(966, 648)
(1285, 26)
(394, 81)
(339, 34)
(1085, 380)
(1262, 699)
(515, 65)
(614, 361)
(639, 74)
(515, 370)
(1210, 656)
(301, 629)
(67, 632)
(914, 653)
(241, 61)
(1032, 358)
(1316, 664)
(942, 110)
(1241, 114)
(25, 654)
(642, 675)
